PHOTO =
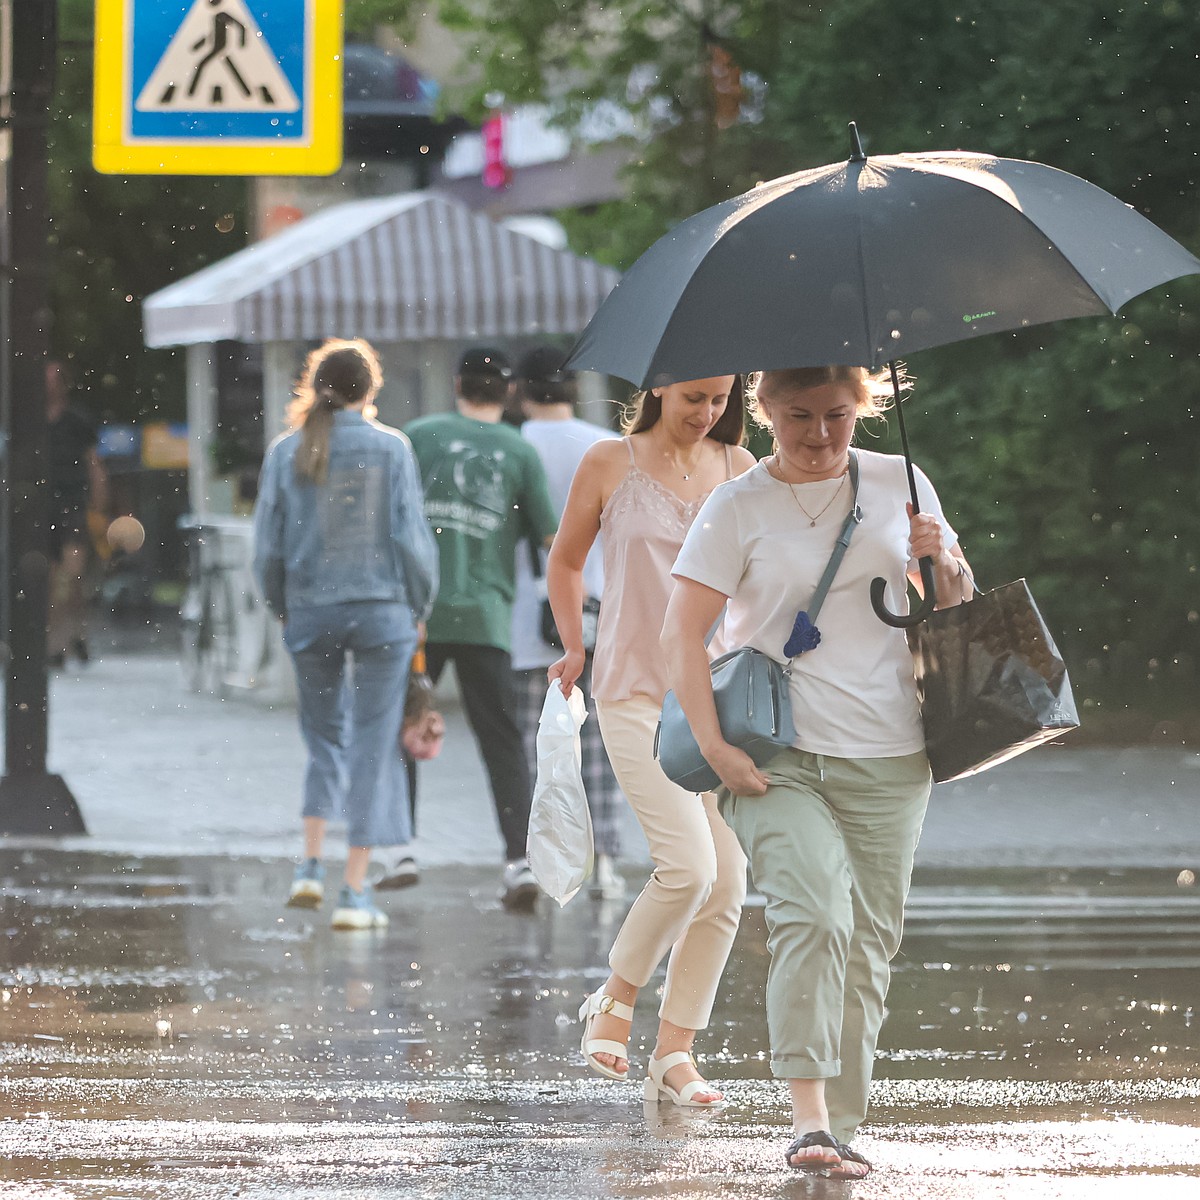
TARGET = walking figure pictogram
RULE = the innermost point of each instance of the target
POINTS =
(222, 24)
(218, 61)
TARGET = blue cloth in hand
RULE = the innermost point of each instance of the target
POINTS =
(805, 636)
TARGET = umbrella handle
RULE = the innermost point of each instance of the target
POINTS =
(917, 615)
(879, 586)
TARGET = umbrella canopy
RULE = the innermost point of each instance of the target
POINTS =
(866, 261)
(863, 262)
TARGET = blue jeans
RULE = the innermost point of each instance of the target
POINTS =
(350, 721)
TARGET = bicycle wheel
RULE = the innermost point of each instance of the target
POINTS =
(193, 634)
(219, 648)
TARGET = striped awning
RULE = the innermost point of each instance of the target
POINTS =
(399, 268)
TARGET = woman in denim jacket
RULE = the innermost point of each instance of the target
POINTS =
(345, 558)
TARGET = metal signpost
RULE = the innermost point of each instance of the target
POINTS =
(183, 87)
(31, 801)
(218, 87)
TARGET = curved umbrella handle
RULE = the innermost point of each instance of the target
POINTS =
(927, 605)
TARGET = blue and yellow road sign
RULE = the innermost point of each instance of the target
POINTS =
(218, 87)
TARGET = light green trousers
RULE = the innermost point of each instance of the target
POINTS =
(831, 849)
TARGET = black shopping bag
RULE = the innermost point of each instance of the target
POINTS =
(991, 681)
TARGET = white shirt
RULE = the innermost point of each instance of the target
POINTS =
(854, 695)
(560, 445)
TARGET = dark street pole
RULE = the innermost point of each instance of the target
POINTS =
(31, 801)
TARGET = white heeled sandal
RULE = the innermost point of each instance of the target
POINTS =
(656, 1089)
(595, 1005)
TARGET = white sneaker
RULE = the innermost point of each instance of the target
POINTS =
(605, 883)
(308, 885)
(519, 890)
(398, 872)
(357, 910)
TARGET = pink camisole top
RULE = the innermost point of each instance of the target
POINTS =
(643, 526)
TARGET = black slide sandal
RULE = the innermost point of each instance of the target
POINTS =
(818, 1138)
(850, 1155)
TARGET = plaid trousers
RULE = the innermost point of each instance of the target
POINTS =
(603, 792)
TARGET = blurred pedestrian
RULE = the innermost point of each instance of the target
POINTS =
(548, 396)
(485, 491)
(344, 556)
(78, 488)
(642, 493)
(830, 825)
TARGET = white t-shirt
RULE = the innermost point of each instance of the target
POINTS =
(853, 695)
(560, 445)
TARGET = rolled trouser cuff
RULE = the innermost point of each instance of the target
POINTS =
(792, 1066)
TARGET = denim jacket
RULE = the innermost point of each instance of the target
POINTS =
(361, 535)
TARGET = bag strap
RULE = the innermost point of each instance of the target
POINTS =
(840, 546)
(963, 569)
(853, 519)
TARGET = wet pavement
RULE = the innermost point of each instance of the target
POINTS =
(168, 1029)
(157, 769)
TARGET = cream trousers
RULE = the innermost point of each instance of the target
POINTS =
(692, 904)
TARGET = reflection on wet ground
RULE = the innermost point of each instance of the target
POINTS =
(167, 1029)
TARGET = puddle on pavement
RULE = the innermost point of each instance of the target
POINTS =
(246, 1038)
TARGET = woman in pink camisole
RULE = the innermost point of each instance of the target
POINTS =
(642, 493)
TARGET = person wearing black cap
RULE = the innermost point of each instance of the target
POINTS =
(485, 491)
(547, 396)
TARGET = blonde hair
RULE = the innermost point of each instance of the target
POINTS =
(337, 373)
(644, 411)
(872, 392)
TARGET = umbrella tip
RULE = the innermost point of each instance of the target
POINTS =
(856, 150)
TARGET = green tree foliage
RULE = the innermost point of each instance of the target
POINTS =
(116, 239)
(646, 62)
(1070, 453)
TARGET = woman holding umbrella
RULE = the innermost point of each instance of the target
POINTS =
(830, 825)
(643, 492)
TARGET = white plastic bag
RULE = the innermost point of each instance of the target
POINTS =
(560, 846)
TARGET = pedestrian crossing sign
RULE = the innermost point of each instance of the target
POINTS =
(218, 87)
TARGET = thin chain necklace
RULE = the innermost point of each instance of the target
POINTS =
(670, 457)
(812, 520)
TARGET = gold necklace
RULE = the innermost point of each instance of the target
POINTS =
(791, 488)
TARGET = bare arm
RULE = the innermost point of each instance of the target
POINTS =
(577, 531)
(691, 611)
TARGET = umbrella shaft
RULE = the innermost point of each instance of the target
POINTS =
(912, 481)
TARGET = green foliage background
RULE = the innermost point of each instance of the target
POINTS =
(1069, 454)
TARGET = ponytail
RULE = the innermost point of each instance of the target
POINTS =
(312, 459)
(335, 375)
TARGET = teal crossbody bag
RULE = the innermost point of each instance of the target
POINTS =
(750, 689)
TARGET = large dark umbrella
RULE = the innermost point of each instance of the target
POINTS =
(863, 262)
